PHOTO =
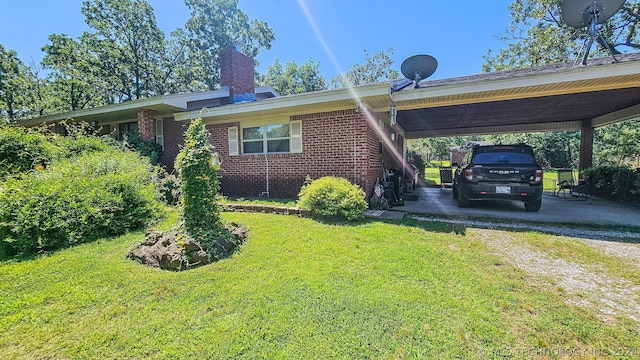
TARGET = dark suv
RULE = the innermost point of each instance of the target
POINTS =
(508, 172)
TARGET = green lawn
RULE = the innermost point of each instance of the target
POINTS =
(298, 289)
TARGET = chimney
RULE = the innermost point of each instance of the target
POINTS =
(237, 75)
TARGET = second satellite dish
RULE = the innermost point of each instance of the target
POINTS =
(419, 67)
(590, 13)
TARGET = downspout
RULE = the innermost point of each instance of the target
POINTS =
(355, 164)
(266, 193)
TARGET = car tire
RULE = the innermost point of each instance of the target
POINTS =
(533, 206)
(463, 201)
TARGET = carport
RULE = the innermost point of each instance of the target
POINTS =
(557, 97)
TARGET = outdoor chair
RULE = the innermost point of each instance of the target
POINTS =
(566, 184)
(446, 177)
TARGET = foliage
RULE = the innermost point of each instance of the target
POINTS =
(537, 35)
(216, 25)
(74, 74)
(128, 39)
(197, 173)
(614, 182)
(334, 198)
(15, 87)
(22, 150)
(416, 159)
(150, 149)
(293, 79)
(168, 187)
(76, 200)
(376, 68)
(617, 143)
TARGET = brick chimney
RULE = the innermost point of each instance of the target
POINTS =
(237, 75)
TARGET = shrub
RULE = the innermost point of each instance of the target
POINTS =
(614, 182)
(333, 197)
(22, 150)
(77, 200)
(168, 187)
(195, 166)
(150, 149)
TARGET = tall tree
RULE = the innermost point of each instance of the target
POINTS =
(376, 68)
(128, 43)
(74, 73)
(537, 35)
(216, 25)
(293, 79)
(15, 86)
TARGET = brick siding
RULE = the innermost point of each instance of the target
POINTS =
(173, 140)
(339, 143)
(328, 142)
(146, 128)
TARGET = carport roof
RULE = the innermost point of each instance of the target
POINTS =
(546, 98)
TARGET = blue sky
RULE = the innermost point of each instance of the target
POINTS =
(335, 33)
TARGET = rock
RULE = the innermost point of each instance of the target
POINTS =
(163, 250)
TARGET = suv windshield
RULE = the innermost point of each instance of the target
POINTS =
(503, 158)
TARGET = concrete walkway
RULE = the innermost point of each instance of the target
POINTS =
(593, 211)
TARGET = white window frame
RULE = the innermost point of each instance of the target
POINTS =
(159, 127)
(233, 140)
(295, 137)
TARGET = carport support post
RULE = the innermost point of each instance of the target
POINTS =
(586, 147)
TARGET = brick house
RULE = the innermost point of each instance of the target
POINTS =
(268, 144)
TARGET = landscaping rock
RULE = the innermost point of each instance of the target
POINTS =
(175, 251)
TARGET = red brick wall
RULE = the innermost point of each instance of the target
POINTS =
(328, 143)
(146, 128)
(173, 140)
(328, 139)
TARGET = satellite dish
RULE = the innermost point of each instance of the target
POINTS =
(590, 13)
(419, 67)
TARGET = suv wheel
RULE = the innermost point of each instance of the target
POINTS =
(463, 201)
(533, 206)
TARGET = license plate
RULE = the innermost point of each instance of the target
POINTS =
(503, 189)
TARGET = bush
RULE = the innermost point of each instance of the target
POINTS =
(77, 200)
(333, 197)
(614, 182)
(168, 187)
(199, 181)
(22, 150)
(150, 149)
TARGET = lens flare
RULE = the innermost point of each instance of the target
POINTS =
(369, 115)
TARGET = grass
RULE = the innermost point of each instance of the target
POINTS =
(297, 289)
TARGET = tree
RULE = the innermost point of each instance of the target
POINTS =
(293, 79)
(15, 86)
(537, 35)
(128, 43)
(73, 74)
(375, 69)
(616, 143)
(216, 25)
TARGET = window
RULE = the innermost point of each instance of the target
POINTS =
(233, 141)
(159, 132)
(129, 130)
(272, 138)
